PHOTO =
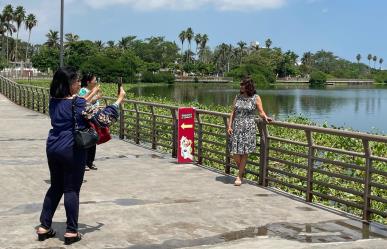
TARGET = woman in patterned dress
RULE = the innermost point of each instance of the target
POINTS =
(242, 127)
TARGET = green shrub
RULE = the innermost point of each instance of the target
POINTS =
(381, 77)
(318, 78)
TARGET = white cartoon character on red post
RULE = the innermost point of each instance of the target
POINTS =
(186, 148)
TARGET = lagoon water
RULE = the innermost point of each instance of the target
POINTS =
(362, 108)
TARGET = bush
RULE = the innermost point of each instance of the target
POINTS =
(259, 79)
(260, 74)
(318, 78)
(381, 77)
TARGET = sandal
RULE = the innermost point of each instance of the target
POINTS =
(70, 240)
(49, 234)
(238, 182)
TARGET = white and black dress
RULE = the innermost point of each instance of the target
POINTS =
(243, 138)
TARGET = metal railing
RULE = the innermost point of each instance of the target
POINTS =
(338, 168)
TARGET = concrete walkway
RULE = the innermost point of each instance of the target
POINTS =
(139, 198)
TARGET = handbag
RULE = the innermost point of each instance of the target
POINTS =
(83, 138)
(103, 133)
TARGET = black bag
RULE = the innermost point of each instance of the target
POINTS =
(85, 138)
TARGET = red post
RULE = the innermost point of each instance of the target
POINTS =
(185, 135)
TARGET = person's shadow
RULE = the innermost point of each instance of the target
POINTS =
(225, 179)
(60, 228)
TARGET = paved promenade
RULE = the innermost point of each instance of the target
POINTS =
(142, 199)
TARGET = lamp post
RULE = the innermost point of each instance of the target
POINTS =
(61, 33)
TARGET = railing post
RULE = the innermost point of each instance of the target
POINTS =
(38, 96)
(44, 101)
(264, 153)
(309, 183)
(227, 166)
(137, 128)
(174, 134)
(122, 121)
(200, 139)
(20, 95)
(154, 133)
(367, 180)
(33, 99)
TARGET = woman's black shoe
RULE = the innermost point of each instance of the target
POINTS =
(92, 167)
(70, 240)
(49, 234)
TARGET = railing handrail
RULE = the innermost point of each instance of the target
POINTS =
(277, 164)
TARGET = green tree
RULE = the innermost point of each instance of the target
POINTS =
(358, 58)
(242, 47)
(5, 27)
(70, 37)
(203, 45)
(8, 17)
(46, 58)
(19, 17)
(198, 40)
(52, 39)
(268, 43)
(126, 42)
(110, 44)
(380, 62)
(30, 23)
(182, 37)
(99, 44)
(189, 34)
(374, 58)
(369, 58)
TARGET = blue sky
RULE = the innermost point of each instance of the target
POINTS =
(345, 27)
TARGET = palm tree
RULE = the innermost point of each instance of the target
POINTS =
(358, 58)
(125, 42)
(242, 47)
(8, 16)
(70, 37)
(369, 57)
(182, 39)
(99, 44)
(110, 44)
(4, 28)
(52, 39)
(189, 34)
(375, 58)
(18, 16)
(30, 23)
(198, 41)
(268, 43)
(381, 62)
(203, 42)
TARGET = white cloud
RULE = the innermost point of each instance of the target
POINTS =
(227, 5)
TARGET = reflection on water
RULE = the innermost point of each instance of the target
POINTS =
(362, 108)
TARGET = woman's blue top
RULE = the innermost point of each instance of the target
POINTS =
(60, 137)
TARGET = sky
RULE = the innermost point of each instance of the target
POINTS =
(345, 27)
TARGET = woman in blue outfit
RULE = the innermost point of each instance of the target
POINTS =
(65, 162)
(88, 83)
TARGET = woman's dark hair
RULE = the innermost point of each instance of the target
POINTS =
(248, 83)
(86, 78)
(63, 78)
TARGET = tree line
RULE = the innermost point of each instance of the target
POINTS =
(156, 59)
(12, 21)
